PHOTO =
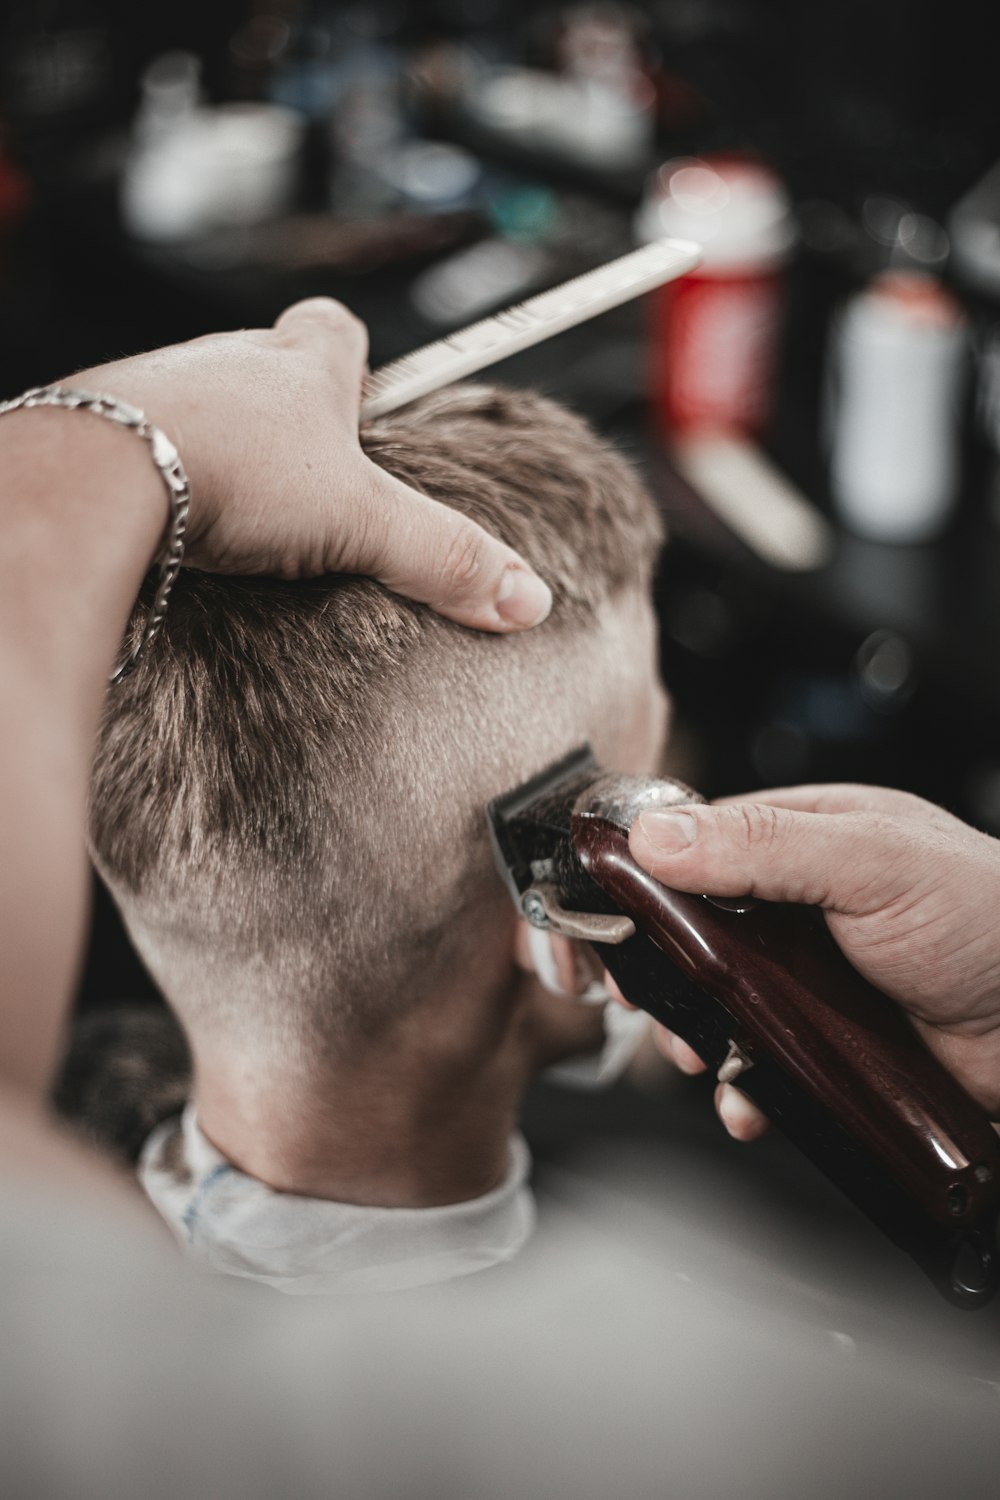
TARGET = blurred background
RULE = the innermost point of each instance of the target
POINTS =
(817, 408)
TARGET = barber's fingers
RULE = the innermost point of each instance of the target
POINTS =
(330, 330)
(406, 540)
(677, 1051)
(846, 862)
(842, 797)
(430, 552)
(615, 994)
(742, 1119)
(674, 1048)
(393, 533)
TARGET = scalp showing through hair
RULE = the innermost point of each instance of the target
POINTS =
(287, 794)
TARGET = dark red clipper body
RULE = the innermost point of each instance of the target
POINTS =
(762, 992)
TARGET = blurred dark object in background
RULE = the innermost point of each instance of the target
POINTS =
(168, 172)
(126, 1068)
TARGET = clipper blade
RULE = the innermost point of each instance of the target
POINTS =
(527, 824)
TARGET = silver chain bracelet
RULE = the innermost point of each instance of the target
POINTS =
(166, 459)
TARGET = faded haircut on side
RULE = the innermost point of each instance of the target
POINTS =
(287, 800)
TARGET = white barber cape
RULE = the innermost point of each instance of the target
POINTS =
(233, 1223)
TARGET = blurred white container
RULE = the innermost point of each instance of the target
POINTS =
(169, 92)
(896, 365)
(254, 151)
(234, 164)
(587, 120)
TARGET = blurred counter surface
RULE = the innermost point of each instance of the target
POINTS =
(753, 1228)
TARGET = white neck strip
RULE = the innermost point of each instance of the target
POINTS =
(233, 1223)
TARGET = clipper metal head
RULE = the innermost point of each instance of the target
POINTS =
(528, 827)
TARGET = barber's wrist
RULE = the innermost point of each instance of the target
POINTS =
(178, 413)
(65, 469)
(84, 513)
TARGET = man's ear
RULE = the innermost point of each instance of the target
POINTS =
(555, 960)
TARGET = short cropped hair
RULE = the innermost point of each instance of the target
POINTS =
(287, 798)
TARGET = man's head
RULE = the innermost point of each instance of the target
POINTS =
(288, 796)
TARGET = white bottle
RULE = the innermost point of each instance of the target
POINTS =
(897, 361)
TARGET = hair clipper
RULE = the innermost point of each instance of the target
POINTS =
(762, 992)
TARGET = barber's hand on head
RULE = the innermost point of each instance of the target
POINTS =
(266, 423)
(911, 895)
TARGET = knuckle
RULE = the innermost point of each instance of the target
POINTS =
(884, 830)
(834, 797)
(288, 566)
(368, 548)
(757, 826)
(324, 307)
(883, 863)
(461, 568)
(337, 319)
(341, 317)
(889, 800)
(348, 324)
(909, 805)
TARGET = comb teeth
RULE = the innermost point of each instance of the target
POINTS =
(389, 375)
(517, 317)
(526, 323)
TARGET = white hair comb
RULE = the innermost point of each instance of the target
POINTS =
(484, 343)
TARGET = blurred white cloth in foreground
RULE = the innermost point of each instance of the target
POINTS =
(624, 1353)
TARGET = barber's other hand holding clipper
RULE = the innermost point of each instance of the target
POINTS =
(266, 420)
(910, 893)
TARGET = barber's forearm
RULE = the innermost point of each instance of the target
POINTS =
(83, 511)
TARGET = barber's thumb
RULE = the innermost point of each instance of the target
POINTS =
(433, 553)
(774, 853)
